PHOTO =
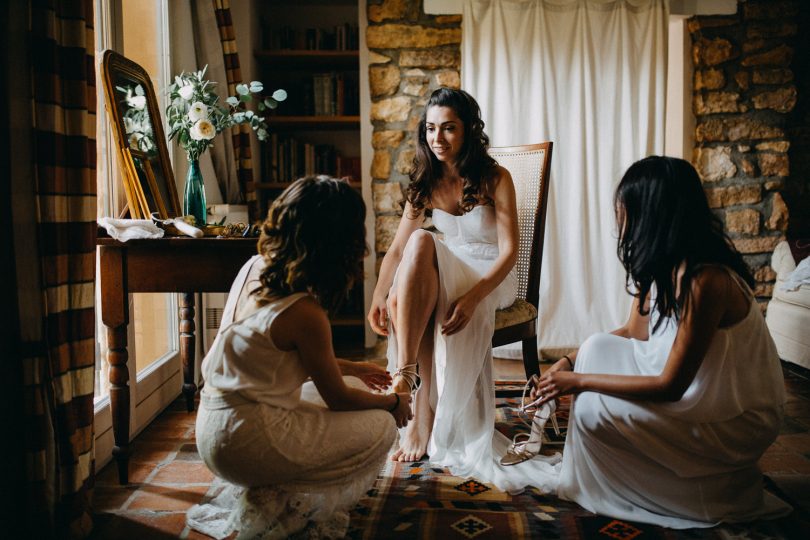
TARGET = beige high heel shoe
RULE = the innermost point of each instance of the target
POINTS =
(525, 446)
(411, 375)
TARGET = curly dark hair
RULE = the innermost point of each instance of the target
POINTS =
(664, 220)
(475, 166)
(313, 240)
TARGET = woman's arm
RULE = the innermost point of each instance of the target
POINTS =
(304, 327)
(378, 313)
(709, 299)
(461, 310)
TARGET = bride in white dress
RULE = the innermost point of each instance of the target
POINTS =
(436, 296)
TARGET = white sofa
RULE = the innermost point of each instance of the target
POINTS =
(788, 315)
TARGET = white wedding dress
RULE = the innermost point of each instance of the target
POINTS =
(462, 391)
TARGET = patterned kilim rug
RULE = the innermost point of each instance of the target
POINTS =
(419, 500)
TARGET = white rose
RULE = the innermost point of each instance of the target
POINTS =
(137, 102)
(129, 125)
(203, 130)
(198, 111)
(186, 92)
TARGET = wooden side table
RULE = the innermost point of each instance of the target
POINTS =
(181, 265)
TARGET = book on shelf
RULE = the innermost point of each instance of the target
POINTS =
(341, 37)
(287, 158)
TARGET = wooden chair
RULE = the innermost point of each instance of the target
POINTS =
(529, 166)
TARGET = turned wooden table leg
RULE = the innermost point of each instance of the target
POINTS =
(187, 347)
(119, 398)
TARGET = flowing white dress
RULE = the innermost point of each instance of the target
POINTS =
(283, 460)
(690, 463)
(462, 389)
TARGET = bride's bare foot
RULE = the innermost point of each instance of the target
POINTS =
(413, 442)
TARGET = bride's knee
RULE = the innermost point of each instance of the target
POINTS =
(596, 352)
(420, 246)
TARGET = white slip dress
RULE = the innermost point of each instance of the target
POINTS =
(689, 463)
(462, 391)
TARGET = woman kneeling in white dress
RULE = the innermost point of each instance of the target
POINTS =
(307, 454)
(674, 409)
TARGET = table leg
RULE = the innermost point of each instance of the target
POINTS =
(117, 356)
(187, 347)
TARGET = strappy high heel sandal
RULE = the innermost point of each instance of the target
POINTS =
(525, 446)
(411, 376)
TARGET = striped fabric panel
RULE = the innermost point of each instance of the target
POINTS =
(240, 135)
(59, 371)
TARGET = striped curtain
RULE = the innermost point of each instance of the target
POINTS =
(240, 134)
(58, 365)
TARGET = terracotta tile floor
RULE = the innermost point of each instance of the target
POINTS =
(167, 476)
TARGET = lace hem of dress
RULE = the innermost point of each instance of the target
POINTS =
(274, 512)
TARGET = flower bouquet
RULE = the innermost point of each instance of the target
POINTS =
(195, 116)
(137, 126)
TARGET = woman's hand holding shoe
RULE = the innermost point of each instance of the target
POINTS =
(401, 409)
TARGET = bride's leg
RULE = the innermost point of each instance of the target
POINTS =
(414, 440)
(415, 298)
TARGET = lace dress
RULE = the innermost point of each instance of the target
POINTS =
(285, 464)
(690, 463)
(462, 392)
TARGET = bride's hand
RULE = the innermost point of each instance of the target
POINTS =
(378, 315)
(459, 314)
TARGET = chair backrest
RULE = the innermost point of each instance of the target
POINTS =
(529, 166)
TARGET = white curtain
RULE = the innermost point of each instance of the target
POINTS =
(589, 75)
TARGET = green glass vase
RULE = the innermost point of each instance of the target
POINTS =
(194, 194)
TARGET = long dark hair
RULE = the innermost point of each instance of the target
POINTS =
(313, 240)
(475, 166)
(664, 220)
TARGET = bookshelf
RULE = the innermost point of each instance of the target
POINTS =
(310, 48)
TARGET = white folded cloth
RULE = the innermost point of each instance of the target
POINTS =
(798, 277)
(129, 229)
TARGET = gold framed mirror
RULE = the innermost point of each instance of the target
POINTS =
(142, 152)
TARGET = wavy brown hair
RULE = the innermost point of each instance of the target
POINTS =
(313, 240)
(664, 220)
(475, 166)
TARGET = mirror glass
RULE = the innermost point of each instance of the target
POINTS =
(142, 151)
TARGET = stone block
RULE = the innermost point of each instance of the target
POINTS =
(769, 10)
(774, 146)
(743, 80)
(387, 139)
(695, 24)
(772, 76)
(406, 36)
(749, 168)
(733, 195)
(386, 229)
(414, 73)
(764, 273)
(778, 56)
(763, 244)
(744, 221)
(389, 9)
(778, 220)
(405, 158)
(752, 45)
(383, 80)
(716, 102)
(416, 87)
(386, 197)
(774, 164)
(714, 164)
(709, 79)
(771, 30)
(394, 109)
(449, 79)
(448, 19)
(774, 185)
(735, 129)
(431, 58)
(711, 52)
(377, 58)
(381, 165)
(781, 100)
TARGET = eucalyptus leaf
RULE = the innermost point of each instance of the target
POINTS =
(232, 101)
(256, 86)
(242, 89)
(280, 95)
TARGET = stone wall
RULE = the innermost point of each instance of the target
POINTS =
(411, 54)
(744, 93)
